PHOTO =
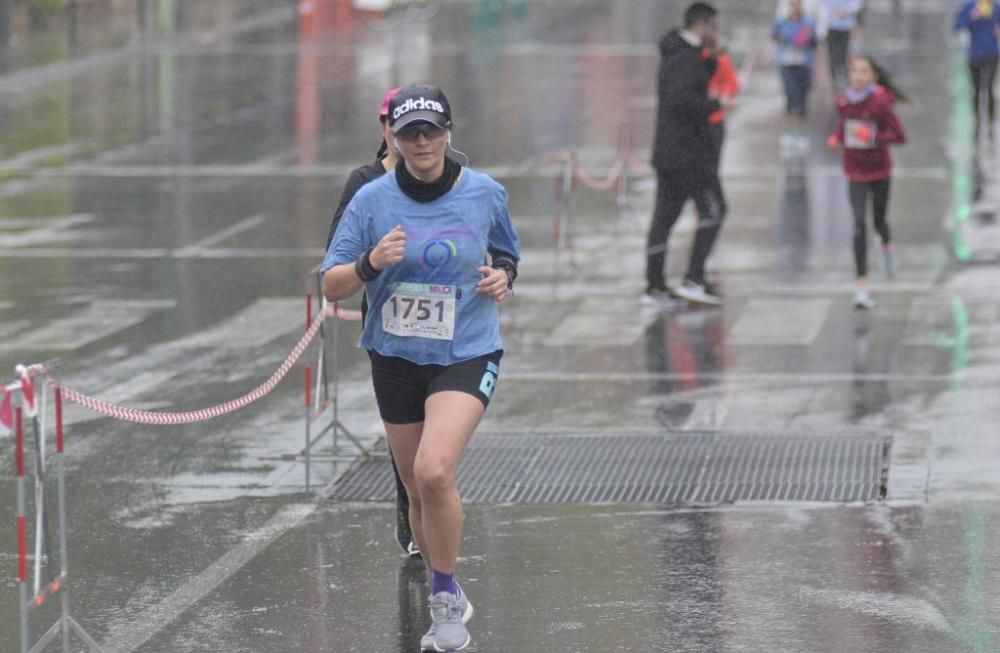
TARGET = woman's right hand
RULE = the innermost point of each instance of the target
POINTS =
(389, 250)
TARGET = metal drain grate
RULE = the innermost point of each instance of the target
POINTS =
(654, 468)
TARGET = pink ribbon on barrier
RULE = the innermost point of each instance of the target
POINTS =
(27, 391)
(614, 175)
(188, 417)
(6, 413)
(602, 184)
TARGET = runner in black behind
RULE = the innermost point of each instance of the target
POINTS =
(385, 159)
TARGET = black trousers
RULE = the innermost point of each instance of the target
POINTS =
(859, 192)
(984, 77)
(717, 132)
(838, 43)
(674, 189)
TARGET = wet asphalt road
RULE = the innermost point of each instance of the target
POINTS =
(165, 188)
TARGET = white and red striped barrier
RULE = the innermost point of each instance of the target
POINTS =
(25, 397)
(53, 583)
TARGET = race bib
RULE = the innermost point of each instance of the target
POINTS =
(420, 309)
(794, 57)
(859, 134)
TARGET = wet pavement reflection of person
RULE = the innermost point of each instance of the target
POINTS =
(412, 587)
(871, 365)
(684, 346)
(794, 228)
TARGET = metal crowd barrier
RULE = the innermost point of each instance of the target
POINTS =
(570, 172)
(27, 396)
(322, 392)
(20, 395)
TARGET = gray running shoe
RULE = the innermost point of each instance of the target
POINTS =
(427, 641)
(449, 614)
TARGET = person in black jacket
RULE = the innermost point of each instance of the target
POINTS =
(682, 156)
(385, 159)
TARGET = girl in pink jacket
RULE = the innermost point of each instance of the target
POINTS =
(868, 125)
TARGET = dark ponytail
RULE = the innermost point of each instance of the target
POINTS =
(383, 151)
(883, 79)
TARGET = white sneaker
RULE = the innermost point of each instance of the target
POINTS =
(863, 300)
(787, 144)
(659, 297)
(698, 292)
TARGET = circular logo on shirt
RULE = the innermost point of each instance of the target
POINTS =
(437, 253)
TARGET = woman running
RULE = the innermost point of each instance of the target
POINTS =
(982, 19)
(433, 247)
(796, 36)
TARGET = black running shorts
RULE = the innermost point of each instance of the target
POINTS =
(402, 387)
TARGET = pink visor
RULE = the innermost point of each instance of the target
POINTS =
(384, 110)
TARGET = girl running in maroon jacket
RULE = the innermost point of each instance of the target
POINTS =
(868, 125)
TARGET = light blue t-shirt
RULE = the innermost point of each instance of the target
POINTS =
(432, 290)
(843, 14)
(796, 41)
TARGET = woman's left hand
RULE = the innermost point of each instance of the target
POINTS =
(493, 284)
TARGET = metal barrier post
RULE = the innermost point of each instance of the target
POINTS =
(625, 148)
(22, 522)
(337, 425)
(319, 397)
(566, 195)
(308, 425)
(63, 555)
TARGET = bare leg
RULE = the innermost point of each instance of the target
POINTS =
(450, 419)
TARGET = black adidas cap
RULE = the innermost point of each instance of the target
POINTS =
(419, 103)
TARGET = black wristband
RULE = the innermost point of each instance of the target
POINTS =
(508, 265)
(364, 269)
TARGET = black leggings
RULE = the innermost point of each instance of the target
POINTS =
(859, 192)
(838, 43)
(984, 77)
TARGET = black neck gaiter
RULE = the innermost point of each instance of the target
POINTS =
(423, 191)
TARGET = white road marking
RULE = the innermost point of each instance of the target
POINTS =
(97, 321)
(256, 325)
(602, 321)
(156, 617)
(780, 322)
(218, 237)
(47, 230)
(151, 253)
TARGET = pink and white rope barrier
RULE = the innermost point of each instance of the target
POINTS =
(157, 418)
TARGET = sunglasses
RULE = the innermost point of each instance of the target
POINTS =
(425, 129)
